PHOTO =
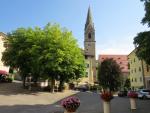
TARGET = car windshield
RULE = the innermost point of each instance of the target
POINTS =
(146, 90)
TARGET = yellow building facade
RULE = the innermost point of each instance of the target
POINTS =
(89, 71)
(139, 72)
(136, 71)
(146, 71)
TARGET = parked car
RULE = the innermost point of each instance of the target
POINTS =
(82, 88)
(143, 94)
(122, 93)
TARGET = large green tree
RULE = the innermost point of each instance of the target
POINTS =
(146, 19)
(64, 59)
(49, 52)
(17, 53)
(127, 84)
(109, 73)
(142, 40)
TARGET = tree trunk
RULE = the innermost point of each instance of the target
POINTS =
(61, 85)
(35, 80)
(24, 81)
(52, 85)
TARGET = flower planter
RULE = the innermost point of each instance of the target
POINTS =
(106, 97)
(106, 106)
(133, 95)
(133, 103)
(70, 104)
(69, 111)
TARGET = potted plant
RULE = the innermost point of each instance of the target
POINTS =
(109, 78)
(70, 104)
(106, 96)
(133, 95)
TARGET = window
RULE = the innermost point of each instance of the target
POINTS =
(86, 57)
(140, 69)
(122, 67)
(87, 65)
(128, 65)
(140, 79)
(135, 80)
(135, 70)
(147, 68)
(134, 59)
(89, 35)
(86, 74)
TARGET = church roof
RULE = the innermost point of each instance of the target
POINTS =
(89, 18)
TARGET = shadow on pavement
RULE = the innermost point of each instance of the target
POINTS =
(14, 89)
(31, 109)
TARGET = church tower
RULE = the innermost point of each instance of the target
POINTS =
(89, 47)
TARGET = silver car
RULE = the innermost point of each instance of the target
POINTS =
(144, 94)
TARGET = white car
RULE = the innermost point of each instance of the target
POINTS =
(144, 94)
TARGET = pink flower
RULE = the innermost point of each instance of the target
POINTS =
(71, 103)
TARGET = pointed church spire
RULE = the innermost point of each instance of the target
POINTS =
(89, 18)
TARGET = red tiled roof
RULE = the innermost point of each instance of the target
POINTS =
(122, 60)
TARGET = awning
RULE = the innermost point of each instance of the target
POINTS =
(3, 72)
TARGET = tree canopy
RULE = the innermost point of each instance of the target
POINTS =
(146, 19)
(109, 73)
(142, 40)
(127, 84)
(49, 52)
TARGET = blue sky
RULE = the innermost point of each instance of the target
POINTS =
(116, 21)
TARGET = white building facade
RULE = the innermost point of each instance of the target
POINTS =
(2, 48)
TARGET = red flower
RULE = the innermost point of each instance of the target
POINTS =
(106, 96)
(132, 94)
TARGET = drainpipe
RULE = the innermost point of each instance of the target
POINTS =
(143, 74)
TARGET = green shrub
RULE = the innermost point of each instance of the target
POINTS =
(9, 80)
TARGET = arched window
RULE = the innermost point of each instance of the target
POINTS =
(89, 36)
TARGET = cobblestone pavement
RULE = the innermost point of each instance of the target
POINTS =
(13, 99)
